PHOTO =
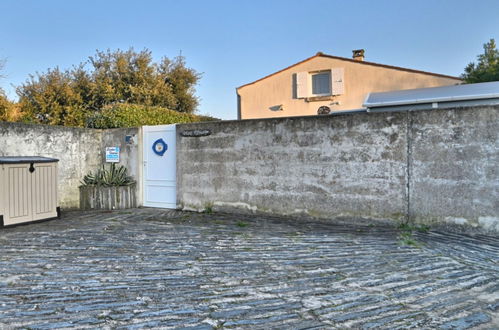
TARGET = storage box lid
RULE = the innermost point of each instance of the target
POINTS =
(26, 159)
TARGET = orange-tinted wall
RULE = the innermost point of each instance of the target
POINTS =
(360, 78)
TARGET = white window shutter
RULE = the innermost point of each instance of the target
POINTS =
(337, 81)
(302, 85)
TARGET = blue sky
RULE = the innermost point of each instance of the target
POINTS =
(236, 42)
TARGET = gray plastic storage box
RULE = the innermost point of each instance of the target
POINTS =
(28, 189)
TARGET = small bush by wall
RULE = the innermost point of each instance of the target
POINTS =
(133, 115)
(108, 189)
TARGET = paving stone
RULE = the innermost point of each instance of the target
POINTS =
(386, 321)
(152, 268)
(466, 322)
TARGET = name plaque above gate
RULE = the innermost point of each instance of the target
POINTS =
(195, 132)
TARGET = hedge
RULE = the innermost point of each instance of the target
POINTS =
(133, 115)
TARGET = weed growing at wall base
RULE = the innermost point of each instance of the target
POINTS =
(406, 237)
(208, 208)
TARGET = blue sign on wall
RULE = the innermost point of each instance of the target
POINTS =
(112, 154)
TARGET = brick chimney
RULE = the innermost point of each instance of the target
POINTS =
(358, 54)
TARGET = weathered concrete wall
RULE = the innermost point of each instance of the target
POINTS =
(79, 151)
(439, 166)
(430, 167)
(454, 167)
(129, 151)
(350, 165)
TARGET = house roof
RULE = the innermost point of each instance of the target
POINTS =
(320, 54)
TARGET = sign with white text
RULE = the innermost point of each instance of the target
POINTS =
(112, 154)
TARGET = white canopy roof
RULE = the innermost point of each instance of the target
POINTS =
(434, 95)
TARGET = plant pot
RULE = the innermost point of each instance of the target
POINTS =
(107, 198)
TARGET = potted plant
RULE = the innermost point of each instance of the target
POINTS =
(108, 189)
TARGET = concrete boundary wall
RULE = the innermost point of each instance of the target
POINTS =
(79, 151)
(438, 166)
(454, 167)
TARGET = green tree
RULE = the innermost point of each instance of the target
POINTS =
(4, 105)
(114, 77)
(182, 81)
(53, 98)
(487, 68)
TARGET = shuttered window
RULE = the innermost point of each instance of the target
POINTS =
(302, 85)
(321, 83)
(337, 81)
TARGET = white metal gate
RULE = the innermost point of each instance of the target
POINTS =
(159, 155)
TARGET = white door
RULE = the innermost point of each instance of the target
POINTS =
(160, 166)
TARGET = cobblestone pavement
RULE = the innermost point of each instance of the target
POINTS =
(159, 268)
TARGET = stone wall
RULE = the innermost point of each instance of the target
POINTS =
(454, 167)
(439, 166)
(344, 166)
(79, 151)
(436, 166)
(129, 151)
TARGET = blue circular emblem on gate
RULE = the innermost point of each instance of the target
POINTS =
(159, 147)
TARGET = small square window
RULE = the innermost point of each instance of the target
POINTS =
(321, 83)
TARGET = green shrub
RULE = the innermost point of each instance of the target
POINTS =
(133, 115)
(114, 176)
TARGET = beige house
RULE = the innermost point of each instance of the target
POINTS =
(330, 83)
